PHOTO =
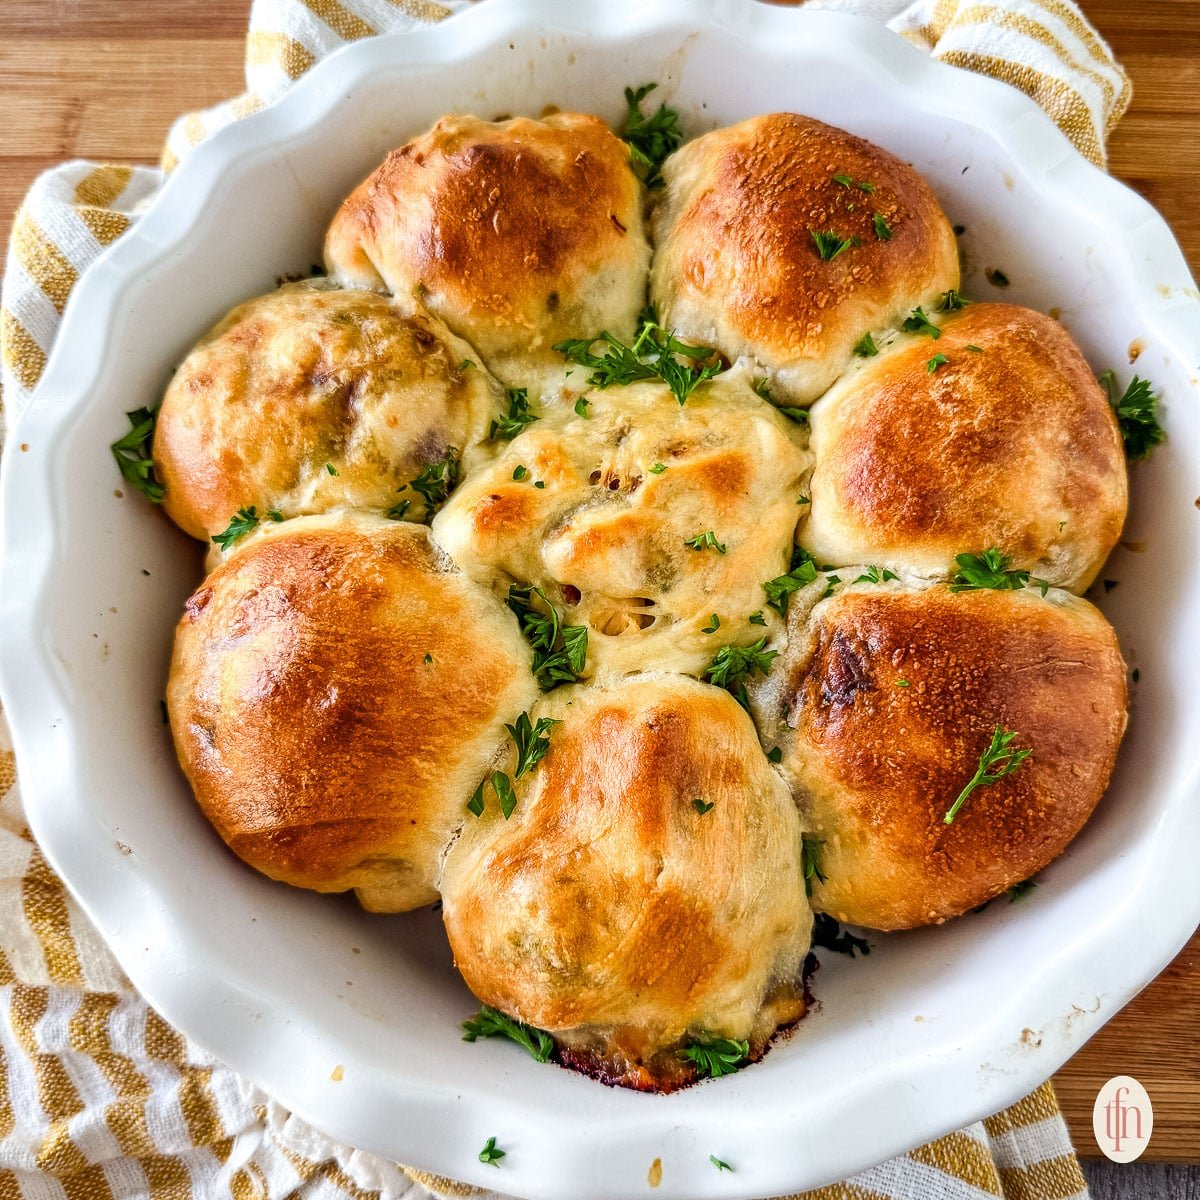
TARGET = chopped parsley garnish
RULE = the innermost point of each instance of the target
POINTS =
(883, 231)
(705, 541)
(505, 796)
(714, 623)
(490, 1022)
(799, 415)
(974, 349)
(397, 511)
(476, 803)
(918, 322)
(244, 520)
(428, 659)
(518, 417)
(275, 514)
(702, 806)
(434, 483)
(903, 683)
(539, 483)
(865, 346)
(658, 468)
(990, 571)
(874, 575)
(655, 354)
(581, 407)
(846, 182)
(532, 741)
(717, 1056)
(559, 650)
(811, 852)
(331, 468)
(998, 760)
(1136, 414)
(719, 1163)
(829, 935)
(775, 755)
(829, 244)
(951, 301)
(762, 387)
(520, 472)
(491, 1153)
(938, 360)
(132, 453)
(757, 618)
(1020, 890)
(779, 591)
(734, 664)
(650, 139)
(465, 365)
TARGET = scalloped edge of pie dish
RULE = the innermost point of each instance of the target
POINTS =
(783, 1127)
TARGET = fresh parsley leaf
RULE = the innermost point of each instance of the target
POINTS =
(397, 511)
(539, 484)
(465, 365)
(951, 301)
(491, 1153)
(779, 591)
(1019, 890)
(476, 803)
(520, 472)
(874, 575)
(655, 354)
(1137, 415)
(844, 180)
(762, 387)
(811, 853)
(732, 665)
(650, 139)
(532, 741)
(331, 468)
(436, 481)
(490, 1022)
(918, 322)
(799, 415)
(705, 541)
(719, 1163)
(275, 515)
(507, 798)
(903, 683)
(714, 623)
(244, 520)
(775, 755)
(975, 349)
(997, 761)
(518, 417)
(559, 650)
(865, 346)
(829, 244)
(716, 1056)
(132, 453)
(581, 407)
(757, 618)
(938, 360)
(658, 468)
(702, 806)
(829, 935)
(883, 231)
(990, 571)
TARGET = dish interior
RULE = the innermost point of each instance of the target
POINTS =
(936, 1027)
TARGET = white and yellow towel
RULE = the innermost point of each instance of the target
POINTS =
(100, 1099)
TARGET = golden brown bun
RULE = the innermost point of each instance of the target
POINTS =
(883, 702)
(308, 376)
(736, 266)
(607, 535)
(1013, 445)
(611, 912)
(326, 748)
(518, 234)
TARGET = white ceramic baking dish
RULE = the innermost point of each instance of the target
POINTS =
(353, 1020)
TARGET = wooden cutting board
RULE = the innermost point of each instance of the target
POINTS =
(93, 79)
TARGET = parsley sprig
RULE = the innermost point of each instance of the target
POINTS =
(918, 322)
(517, 419)
(532, 741)
(1137, 415)
(240, 524)
(132, 453)
(990, 571)
(733, 665)
(651, 139)
(714, 1057)
(434, 484)
(491, 1154)
(874, 575)
(951, 301)
(490, 1022)
(705, 541)
(811, 853)
(559, 650)
(779, 590)
(829, 244)
(656, 353)
(999, 760)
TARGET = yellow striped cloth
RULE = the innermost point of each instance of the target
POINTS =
(99, 1097)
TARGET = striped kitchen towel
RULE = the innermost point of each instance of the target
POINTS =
(100, 1099)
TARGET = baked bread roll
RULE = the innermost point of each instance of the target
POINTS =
(617, 911)
(738, 266)
(883, 703)
(618, 536)
(337, 688)
(518, 234)
(311, 398)
(1008, 441)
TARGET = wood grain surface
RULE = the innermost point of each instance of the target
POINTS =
(95, 79)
